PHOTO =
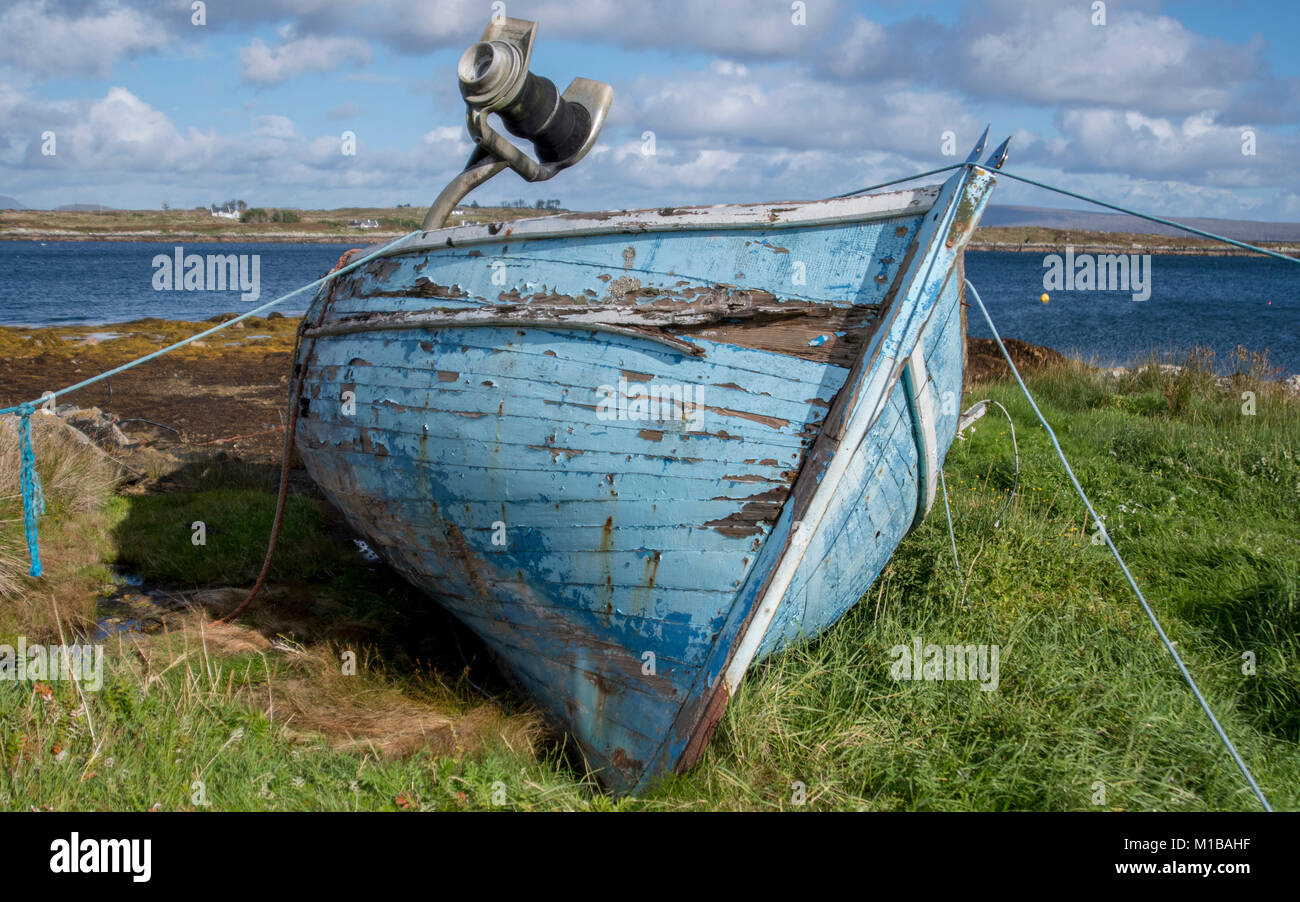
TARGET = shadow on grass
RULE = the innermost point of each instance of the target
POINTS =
(206, 526)
(1254, 609)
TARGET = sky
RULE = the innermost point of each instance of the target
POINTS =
(1145, 103)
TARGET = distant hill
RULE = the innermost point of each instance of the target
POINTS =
(82, 208)
(1087, 220)
(9, 203)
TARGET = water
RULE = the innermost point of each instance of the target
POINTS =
(67, 282)
(133, 607)
(1214, 302)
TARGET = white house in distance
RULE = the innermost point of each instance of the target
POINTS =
(226, 214)
(363, 224)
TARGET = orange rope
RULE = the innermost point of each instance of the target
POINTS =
(285, 466)
(295, 383)
(235, 438)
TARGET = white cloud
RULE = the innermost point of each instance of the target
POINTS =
(263, 65)
(1195, 148)
(451, 140)
(728, 68)
(117, 149)
(41, 38)
(1053, 54)
(775, 107)
(274, 126)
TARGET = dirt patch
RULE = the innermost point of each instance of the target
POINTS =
(985, 363)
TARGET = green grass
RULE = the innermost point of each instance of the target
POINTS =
(158, 538)
(188, 736)
(1201, 500)
(1203, 506)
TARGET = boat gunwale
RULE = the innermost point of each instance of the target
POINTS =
(769, 215)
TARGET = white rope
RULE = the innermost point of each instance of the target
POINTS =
(953, 536)
(1232, 750)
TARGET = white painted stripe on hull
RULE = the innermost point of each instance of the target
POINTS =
(877, 388)
(927, 447)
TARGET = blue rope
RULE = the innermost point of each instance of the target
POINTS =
(1232, 750)
(30, 481)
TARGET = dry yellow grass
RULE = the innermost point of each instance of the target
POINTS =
(371, 713)
(308, 692)
(78, 481)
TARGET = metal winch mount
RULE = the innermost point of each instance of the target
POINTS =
(495, 78)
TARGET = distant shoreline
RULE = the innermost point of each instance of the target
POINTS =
(1082, 243)
(341, 226)
(354, 238)
(1155, 249)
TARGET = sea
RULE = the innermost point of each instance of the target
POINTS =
(1215, 303)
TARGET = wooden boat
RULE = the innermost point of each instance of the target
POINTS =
(638, 451)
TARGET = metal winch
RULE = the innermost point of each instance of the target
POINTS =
(495, 78)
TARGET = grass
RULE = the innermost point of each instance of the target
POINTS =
(219, 538)
(1201, 503)
(183, 722)
(77, 482)
(1089, 714)
(135, 339)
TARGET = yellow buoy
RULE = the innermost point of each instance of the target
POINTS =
(1044, 298)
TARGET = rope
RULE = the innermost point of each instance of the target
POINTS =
(952, 535)
(1232, 750)
(1083, 197)
(910, 178)
(150, 422)
(1015, 449)
(286, 457)
(30, 480)
(1167, 222)
(33, 499)
(236, 438)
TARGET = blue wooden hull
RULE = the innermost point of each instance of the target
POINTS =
(591, 438)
